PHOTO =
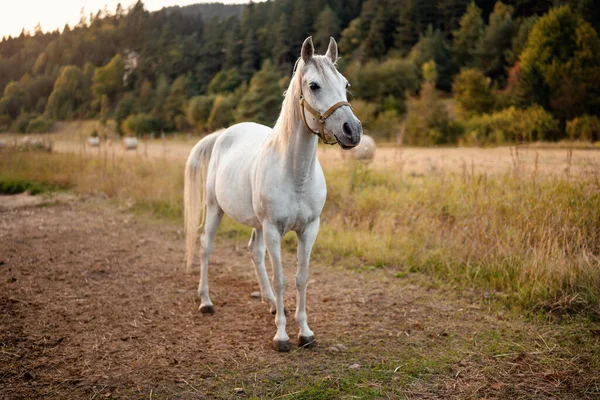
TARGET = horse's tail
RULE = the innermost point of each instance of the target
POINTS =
(194, 192)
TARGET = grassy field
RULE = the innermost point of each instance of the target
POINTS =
(528, 239)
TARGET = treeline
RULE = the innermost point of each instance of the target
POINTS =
(176, 69)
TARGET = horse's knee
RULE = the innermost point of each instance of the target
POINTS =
(279, 284)
(301, 281)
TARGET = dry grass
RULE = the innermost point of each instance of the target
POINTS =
(526, 237)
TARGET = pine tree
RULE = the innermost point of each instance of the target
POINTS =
(468, 36)
(431, 46)
(262, 100)
(490, 55)
(327, 25)
(374, 45)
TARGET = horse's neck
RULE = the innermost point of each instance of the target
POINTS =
(299, 154)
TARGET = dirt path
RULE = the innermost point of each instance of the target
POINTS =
(94, 304)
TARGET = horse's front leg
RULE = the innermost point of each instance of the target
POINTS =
(306, 239)
(272, 236)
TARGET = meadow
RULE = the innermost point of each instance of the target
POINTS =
(525, 235)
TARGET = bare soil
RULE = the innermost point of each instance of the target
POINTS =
(95, 304)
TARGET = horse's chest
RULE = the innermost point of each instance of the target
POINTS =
(292, 210)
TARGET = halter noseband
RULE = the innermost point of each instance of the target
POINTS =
(320, 117)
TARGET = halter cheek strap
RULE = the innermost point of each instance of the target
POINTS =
(320, 117)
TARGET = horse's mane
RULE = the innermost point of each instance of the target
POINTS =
(290, 115)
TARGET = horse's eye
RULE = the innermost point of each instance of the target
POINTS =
(347, 85)
(313, 86)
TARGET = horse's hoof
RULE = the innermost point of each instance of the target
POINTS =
(281, 345)
(207, 309)
(307, 341)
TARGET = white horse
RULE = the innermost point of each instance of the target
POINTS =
(271, 180)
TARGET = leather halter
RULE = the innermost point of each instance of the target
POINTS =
(320, 117)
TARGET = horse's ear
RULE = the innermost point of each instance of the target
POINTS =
(308, 50)
(332, 50)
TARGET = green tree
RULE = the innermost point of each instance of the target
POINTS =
(225, 81)
(351, 38)
(221, 114)
(108, 80)
(174, 104)
(375, 81)
(198, 111)
(327, 25)
(125, 108)
(496, 40)
(468, 36)
(69, 96)
(262, 101)
(519, 40)
(12, 101)
(562, 62)
(432, 46)
(471, 89)
(427, 122)
(144, 104)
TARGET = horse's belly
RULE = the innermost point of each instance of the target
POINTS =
(233, 188)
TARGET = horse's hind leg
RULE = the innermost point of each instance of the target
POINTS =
(214, 214)
(257, 247)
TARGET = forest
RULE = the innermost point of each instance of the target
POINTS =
(422, 72)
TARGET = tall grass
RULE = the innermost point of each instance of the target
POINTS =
(534, 241)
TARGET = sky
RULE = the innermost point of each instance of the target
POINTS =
(51, 14)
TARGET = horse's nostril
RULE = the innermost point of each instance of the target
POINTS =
(346, 128)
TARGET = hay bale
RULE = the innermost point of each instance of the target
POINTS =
(364, 151)
(33, 144)
(94, 141)
(130, 143)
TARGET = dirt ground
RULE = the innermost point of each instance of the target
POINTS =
(95, 304)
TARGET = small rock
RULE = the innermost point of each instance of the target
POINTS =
(333, 349)
(255, 295)
(239, 390)
(354, 366)
(341, 347)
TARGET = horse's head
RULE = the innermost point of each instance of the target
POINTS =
(324, 106)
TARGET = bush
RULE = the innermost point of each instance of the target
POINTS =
(387, 125)
(39, 124)
(585, 127)
(138, 124)
(511, 125)
(21, 123)
(427, 122)
(472, 92)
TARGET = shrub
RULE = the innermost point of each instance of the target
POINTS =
(585, 127)
(138, 124)
(511, 125)
(39, 124)
(427, 122)
(472, 92)
(21, 123)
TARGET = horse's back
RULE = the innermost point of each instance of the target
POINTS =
(232, 163)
